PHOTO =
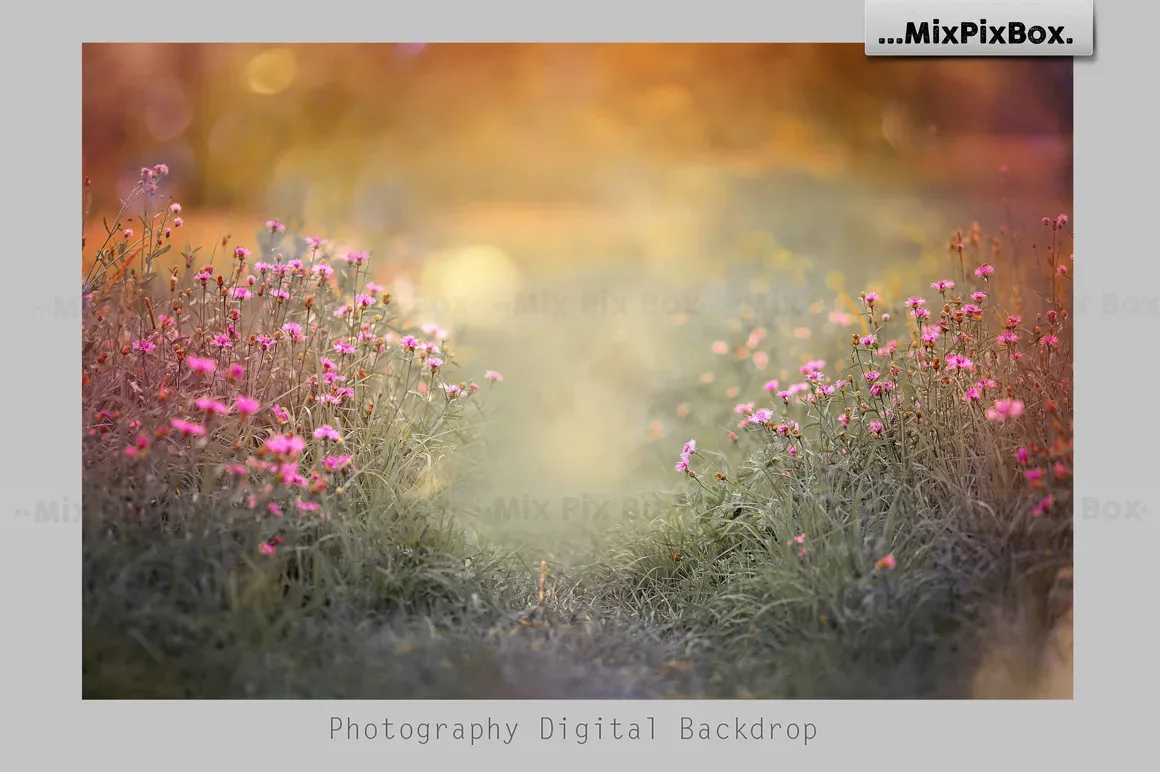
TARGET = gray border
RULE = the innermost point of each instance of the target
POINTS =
(1116, 168)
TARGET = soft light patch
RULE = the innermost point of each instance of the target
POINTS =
(474, 285)
(271, 72)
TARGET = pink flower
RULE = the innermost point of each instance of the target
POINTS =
(743, 408)
(247, 405)
(356, 258)
(689, 448)
(221, 340)
(274, 510)
(335, 463)
(870, 298)
(364, 301)
(204, 366)
(266, 549)
(720, 347)
(1004, 409)
(178, 222)
(315, 243)
(186, 428)
(434, 363)
(281, 414)
(323, 271)
(839, 318)
(294, 330)
(306, 506)
(1050, 341)
(327, 432)
(235, 372)
(493, 376)
(274, 226)
(409, 342)
(984, 270)
(241, 253)
(956, 362)
(1044, 506)
(144, 346)
(175, 208)
(868, 340)
(241, 293)
(344, 347)
(979, 297)
(1008, 337)
(886, 564)
(930, 334)
(875, 428)
(770, 386)
(285, 445)
(373, 288)
(915, 302)
(211, 406)
(972, 394)
(761, 416)
(942, 285)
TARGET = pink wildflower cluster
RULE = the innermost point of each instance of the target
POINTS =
(252, 370)
(686, 453)
(947, 370)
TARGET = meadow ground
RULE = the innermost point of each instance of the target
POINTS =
(269, 445)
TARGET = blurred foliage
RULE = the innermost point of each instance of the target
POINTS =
(408, 128)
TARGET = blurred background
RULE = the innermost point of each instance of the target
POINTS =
(506, 189)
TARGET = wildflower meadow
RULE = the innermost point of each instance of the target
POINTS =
(265, 434)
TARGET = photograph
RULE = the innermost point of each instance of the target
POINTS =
(563, 371)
